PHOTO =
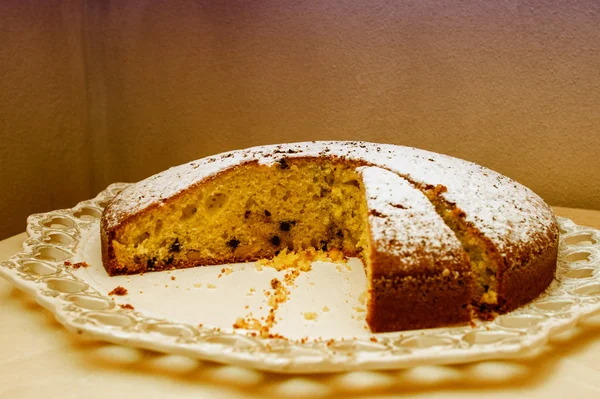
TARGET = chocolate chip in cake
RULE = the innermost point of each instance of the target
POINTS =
(267, 213)
(247, 214)
(169, 260)
(340, 234)
(283, 163)
(175, 247)
(325, 191)
(323, 245)
(151, 263)
(233, 243)
(286, 225)
(275, 240)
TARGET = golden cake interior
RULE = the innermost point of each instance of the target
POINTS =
(256, 211)
(251, 212)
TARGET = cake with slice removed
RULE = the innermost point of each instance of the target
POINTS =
(439, 236)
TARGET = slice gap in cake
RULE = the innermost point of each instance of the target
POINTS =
(485, 261)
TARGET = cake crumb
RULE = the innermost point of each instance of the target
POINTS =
(126, 306)
(359, 309)
(211, 285)
(363, 297)
(290, 276)
(77, 265)
(249, 323)
(120, 291)
(325, 309)
(172, 278)
(301, 260)
(336, 255)
(278, 294)
(310, 315)
(197, 285)
(275, 283)
(373, 339)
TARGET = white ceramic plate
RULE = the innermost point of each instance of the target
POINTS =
(192, 312)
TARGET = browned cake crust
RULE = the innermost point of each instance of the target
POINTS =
(520, 285)
(431, 299)
(425, 302)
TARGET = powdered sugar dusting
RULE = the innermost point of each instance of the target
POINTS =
(515, 219)
(405, 224)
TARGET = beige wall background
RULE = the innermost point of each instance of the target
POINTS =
(43, 113)
(100, 91)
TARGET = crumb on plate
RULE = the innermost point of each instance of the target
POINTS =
(120, 291)
(310, 315)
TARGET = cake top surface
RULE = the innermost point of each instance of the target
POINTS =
(405, 225)
(513, 218)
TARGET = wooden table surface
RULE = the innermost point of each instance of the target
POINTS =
(39, 358)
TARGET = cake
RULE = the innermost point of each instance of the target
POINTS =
(442, 239)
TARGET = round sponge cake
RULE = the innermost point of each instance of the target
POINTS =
(442, 239)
